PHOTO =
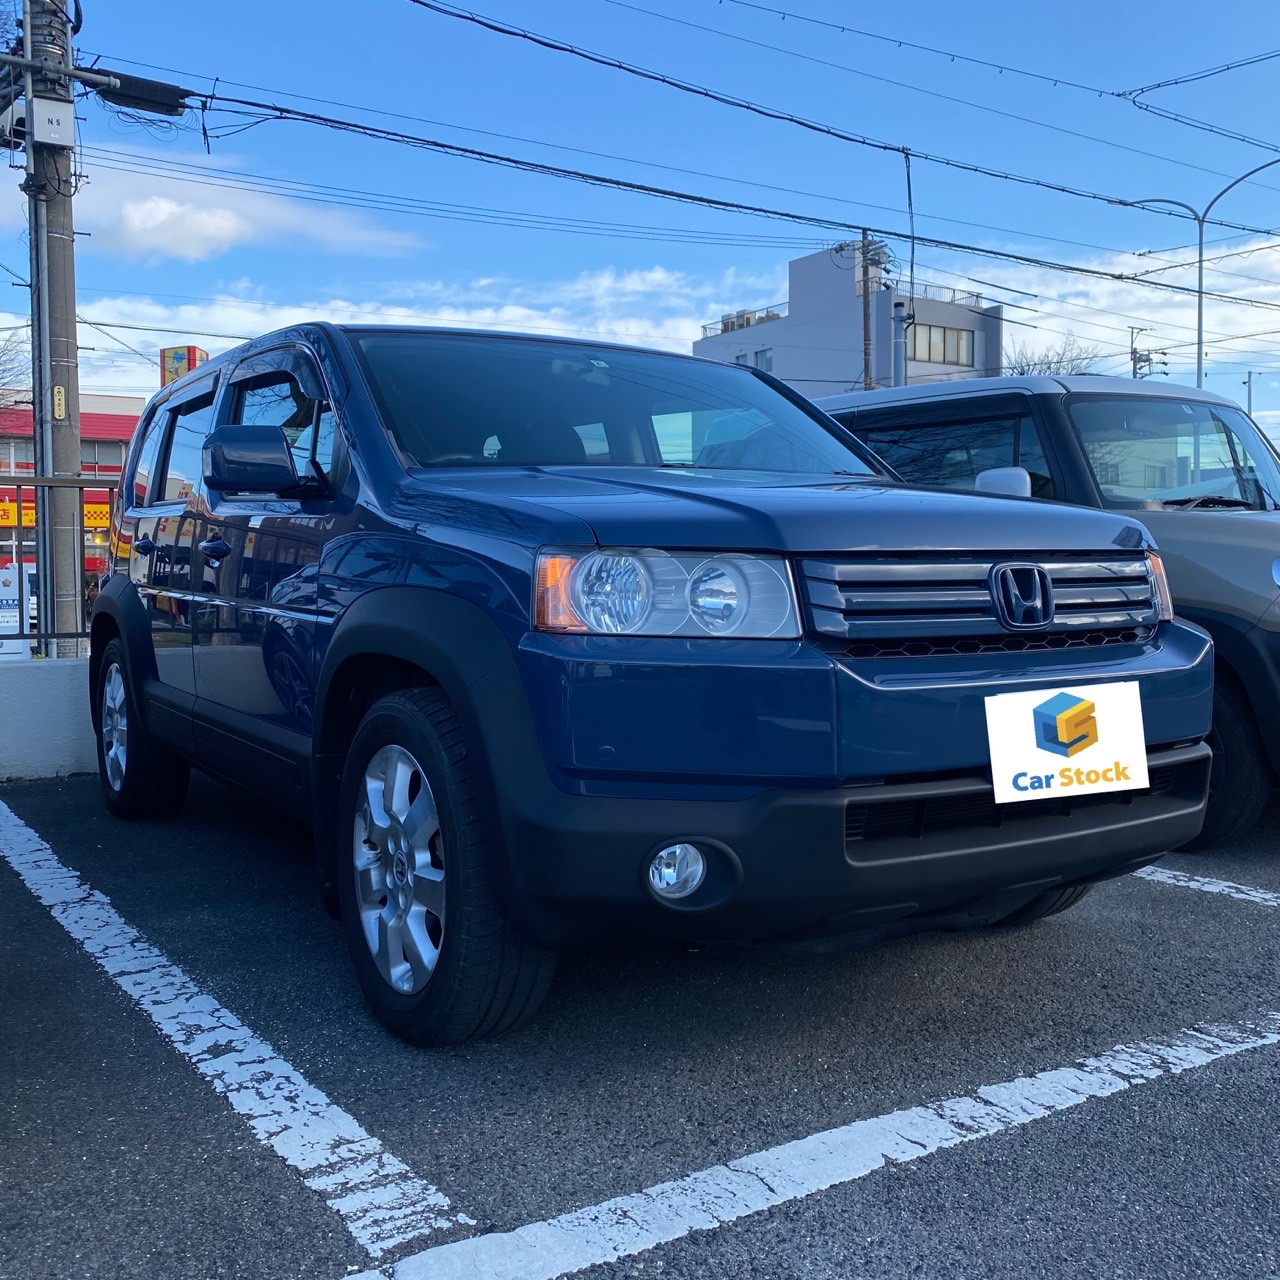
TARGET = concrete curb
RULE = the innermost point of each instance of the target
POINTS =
(45, 730)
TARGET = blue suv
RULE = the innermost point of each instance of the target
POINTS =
(556, 644)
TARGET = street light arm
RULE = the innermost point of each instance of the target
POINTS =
(1244, 177)
(1182, 204)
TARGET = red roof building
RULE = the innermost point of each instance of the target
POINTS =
(106, 426)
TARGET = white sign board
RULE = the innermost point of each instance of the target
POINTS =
(13, 611)
(1070, 741)
(53, 123)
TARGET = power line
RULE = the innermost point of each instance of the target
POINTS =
(266, 111)
(1002, 68)
(1022, 233)
(772, 113)
(209, 175)
(1202, 75)
(1203, 126)
(950, 55)
(26, 284)
(1020, 117)
(201, 175)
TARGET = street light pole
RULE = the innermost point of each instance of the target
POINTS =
(1201, 218)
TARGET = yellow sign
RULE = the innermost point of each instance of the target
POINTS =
(97, 515)
(59, 402)
(9, 514)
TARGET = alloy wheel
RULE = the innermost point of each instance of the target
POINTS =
(115, 727)
(399, 873)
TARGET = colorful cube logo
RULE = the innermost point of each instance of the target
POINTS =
(1065, 724)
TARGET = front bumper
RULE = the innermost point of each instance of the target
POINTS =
(819, 853)
(790, 863)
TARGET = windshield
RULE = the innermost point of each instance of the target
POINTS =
(461, 401)
(1149, 452)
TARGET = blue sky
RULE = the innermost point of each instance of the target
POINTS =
(185, 248)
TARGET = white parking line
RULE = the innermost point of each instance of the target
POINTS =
(379, 1199)
(1243, 892)
(709, 1199)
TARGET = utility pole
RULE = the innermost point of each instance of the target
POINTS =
(1144, 363)
(865, 255)
(1133, 348)
(1248, 382)
(55, 378)
(899, 343)
(48, 74)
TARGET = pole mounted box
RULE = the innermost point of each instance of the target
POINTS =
(53, 123)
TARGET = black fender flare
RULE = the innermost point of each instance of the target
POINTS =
(454, 642)
(119, 608)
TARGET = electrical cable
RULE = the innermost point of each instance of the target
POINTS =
(1001, 68)
(632, 160)
(1193, 76)
(772, 113)
(26, 284)
(787, 14)
(1019, 117)
(276, 112)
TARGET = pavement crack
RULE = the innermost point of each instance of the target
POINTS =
(760, 1178)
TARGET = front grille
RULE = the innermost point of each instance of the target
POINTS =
(938, 815)
(957, 646)
(921, 606)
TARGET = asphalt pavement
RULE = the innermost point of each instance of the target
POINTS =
(123, 1152)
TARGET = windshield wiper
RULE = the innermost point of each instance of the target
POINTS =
(1208, 500)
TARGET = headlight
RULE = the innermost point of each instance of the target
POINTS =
(1160, 587)
(665, 593)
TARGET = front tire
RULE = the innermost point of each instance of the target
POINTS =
(1043, 905)
(434, 952)
(140, 777)
(1240, 779)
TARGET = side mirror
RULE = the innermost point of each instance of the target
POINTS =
(244, 459)
(1014, 481)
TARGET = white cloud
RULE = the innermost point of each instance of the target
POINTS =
(654, 307)
(151, 217)
(185, 230)
(1101, 311)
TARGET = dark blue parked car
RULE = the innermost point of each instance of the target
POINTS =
(558, 643)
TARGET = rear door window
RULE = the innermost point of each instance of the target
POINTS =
(949, 454)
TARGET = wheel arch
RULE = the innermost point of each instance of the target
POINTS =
(118, 613)
(390, 639)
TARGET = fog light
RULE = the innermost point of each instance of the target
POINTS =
(677, 871)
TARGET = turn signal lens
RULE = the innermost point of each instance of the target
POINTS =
(1160, 587)
(554, 610)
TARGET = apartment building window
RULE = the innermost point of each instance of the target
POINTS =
(764, 360)
(1156, 476)
(742, 359)
(936, 344)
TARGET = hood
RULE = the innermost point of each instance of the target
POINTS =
(795, 514)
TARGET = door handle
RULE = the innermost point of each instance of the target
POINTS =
(215, 548)
(144, 546)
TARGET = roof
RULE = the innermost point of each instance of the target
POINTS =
(93, 426)
(927, 392)
(297, 332)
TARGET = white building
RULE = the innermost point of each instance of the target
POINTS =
(814, 340)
